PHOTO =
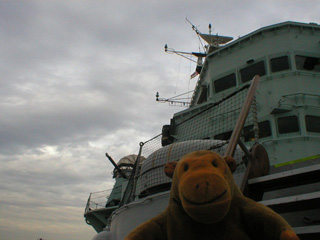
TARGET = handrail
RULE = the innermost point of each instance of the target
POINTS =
(242, 117)
(87, 209)
(94, 204)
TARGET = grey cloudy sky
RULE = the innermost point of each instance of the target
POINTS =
(78, 79)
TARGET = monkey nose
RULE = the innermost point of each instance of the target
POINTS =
(204, 184)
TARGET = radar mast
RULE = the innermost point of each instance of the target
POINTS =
(213, 43)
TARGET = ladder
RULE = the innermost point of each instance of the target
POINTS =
(293, 191)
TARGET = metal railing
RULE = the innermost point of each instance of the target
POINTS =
(97, 200)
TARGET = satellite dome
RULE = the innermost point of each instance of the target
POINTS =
(126, 164)
(129, 160)
(104, 235)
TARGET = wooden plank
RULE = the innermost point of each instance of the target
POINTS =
(231, 148)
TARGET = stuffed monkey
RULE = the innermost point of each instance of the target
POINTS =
(206, 204)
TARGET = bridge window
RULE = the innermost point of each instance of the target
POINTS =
(279, 64)
(308, 63)
(223, 136)
(264, 131)
(313, 123)
(249, 72)
(225, 83)
(203, 95)
(288, 124)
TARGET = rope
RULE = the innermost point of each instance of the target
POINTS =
(255, 120)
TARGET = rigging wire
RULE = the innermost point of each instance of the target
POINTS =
(189, 80)
(175, 90)
(172, 98)
(201, 43)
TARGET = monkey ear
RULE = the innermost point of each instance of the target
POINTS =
(231, 163)
(169, 168)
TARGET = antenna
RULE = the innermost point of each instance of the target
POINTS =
(180, 53)
(175, 101)
(194, 28)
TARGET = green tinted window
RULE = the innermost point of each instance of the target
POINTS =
(313, 123)
(223, 136)
(264, 131)
(308, 63)
(203, 95)
(249, 72)
(288, 124)
(279, 64)
(225, 83)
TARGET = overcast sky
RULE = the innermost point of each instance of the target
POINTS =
(79, 78)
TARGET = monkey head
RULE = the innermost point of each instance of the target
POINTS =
(203, 185)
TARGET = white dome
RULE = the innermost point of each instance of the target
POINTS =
(130, 159)
(104, 235)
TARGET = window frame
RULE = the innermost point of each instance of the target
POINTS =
(306, 123)
(277, 57)
(281, 132)
(256, 62)
(305, 54)
(249, 127)
(222, 77)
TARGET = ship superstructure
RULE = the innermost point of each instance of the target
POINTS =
(278, 156)
(286, 57)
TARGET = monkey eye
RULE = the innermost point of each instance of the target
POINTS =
(214, 164)
(186, 167)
